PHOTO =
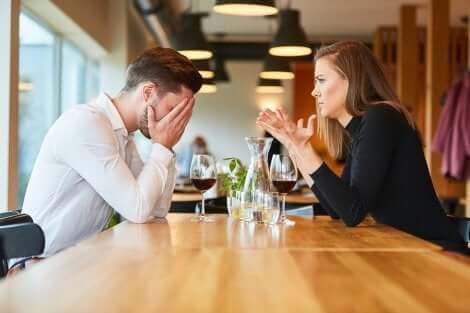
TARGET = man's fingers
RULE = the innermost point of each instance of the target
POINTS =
(176, 110)
(150, 117)
(186, 114)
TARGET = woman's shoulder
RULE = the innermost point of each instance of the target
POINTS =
(383, 115)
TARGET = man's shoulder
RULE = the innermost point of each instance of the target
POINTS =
(82, 123)
(85, 116)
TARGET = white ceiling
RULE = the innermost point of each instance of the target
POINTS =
(326, 18)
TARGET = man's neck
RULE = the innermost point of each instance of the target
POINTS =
(126, 108)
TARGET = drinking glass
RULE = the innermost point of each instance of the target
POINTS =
(283, 176)
(272, 208)
(247, 201)
(233, 203)
(203, 174)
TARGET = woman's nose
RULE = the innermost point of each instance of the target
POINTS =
(314, 92)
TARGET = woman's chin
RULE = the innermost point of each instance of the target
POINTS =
(323, 113)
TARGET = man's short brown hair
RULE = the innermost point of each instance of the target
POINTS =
(164, 67)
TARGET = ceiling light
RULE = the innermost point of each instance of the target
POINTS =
(246, 7)
(190, 40)
(290, 39)
(276, 68)
(25, 86)
(208, 86)
(269, 86)
(204, 68)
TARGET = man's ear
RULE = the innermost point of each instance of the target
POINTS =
(148, 91)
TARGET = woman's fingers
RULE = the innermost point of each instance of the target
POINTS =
(300, 123)
(279, 115)
(283, 113)
(310, 122)
(271, 118)
(272, 130)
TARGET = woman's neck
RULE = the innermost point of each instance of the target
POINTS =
(344, 119)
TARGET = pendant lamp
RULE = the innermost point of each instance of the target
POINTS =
(190, 40)
(245, 7)
(269, 86)
(290, 39)
(276, 68)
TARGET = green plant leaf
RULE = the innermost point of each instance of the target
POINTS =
(235, 179)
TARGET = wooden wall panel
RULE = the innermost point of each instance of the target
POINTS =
(458, 56)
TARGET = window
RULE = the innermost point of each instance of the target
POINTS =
(73, 71)
(54, 74)
(37, 109)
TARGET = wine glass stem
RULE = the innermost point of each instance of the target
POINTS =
(203, 208)
(283, 213)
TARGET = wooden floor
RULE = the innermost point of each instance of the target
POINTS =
(175, 265)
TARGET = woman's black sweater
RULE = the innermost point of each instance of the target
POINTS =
(386, 176)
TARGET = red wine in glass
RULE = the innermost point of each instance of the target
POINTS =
(203, 174)
(203, 184)
(283, 176)
(284, 186)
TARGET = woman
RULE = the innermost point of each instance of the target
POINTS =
(362, 121)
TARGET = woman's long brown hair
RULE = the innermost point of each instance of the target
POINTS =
(368, 86)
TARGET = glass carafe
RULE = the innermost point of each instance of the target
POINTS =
(257, 178)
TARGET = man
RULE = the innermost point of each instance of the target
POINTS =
(88, 163)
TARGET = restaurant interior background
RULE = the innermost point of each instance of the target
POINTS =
(63, 52)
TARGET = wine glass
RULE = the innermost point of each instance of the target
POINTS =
(203, 174)
(283, 176)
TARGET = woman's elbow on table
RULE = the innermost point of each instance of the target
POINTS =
(352, 222)
(356, 215)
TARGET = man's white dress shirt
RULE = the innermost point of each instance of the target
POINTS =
(88, 164)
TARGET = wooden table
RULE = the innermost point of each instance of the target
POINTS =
(174, 265)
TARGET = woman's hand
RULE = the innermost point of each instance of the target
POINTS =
(296, 138)
(283, 129)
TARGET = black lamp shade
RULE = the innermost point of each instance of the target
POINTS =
(221, 74)
(208, 86)
(246, 7)
(190, 40)
(290, 39)
(204, 68)
(269, 86)
(276, 68)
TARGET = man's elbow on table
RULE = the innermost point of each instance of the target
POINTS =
(144, 217)
(138, 219)
(160, 212)
(139, 216)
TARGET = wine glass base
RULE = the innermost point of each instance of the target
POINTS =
(202, 219)
(285, 221)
